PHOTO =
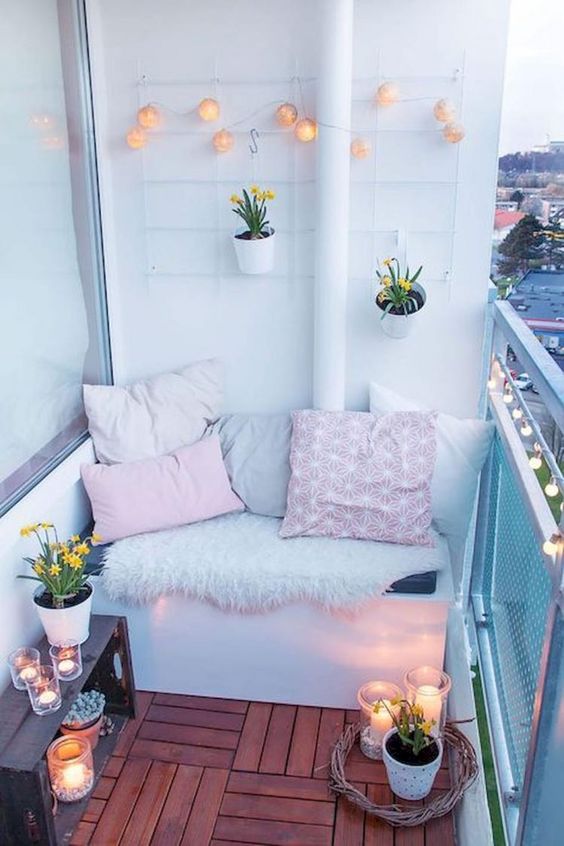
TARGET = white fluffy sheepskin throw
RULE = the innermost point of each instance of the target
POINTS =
(239, 563)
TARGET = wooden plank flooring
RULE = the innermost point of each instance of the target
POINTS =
(193, 771)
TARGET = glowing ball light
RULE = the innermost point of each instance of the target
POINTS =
(136, 138)
(42, 121)
(306, 129)
(148, 117)
(286, 114)
(208, 109)
(453, 133)
(361, 148)
(387, 94)
(444, 111)
(223, 141)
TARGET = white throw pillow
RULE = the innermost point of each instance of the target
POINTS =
(155, 416)
(462, 448)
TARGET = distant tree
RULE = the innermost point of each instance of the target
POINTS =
(520, 246)
(517, 197)
(534, 206)
(553, 243)
(552, 162)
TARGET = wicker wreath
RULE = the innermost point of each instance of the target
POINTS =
(465, 771)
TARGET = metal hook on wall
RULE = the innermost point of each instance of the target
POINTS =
(253, 146)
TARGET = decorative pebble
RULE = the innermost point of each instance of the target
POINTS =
(368, 746)
(74, 794)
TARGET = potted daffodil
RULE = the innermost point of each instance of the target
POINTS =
(399, 297)
(412, 755)
(64, 596)
(254, 239)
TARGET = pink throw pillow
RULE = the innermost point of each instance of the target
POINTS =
(357, 475)
(189, 485)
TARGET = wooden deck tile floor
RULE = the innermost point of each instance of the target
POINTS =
(193, 771)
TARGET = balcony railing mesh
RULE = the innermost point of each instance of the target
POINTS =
(516, 593)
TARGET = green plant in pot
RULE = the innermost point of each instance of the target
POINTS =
(399, 298)
(85, 716)
(411, 754)
(254, 240)
(64, 596)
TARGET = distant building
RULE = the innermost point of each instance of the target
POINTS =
(539, 300)
(556, 146)
(504, 221)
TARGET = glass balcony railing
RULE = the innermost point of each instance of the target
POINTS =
(516, 593)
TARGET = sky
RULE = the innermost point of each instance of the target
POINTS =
(533, 104)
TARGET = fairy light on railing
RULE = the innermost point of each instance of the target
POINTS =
(500, 375)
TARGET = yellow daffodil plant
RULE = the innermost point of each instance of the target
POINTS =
(409, 720)
(60, 567)
(251, 208)
(397, 293)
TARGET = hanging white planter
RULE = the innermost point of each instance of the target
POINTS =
(65, 624)
(399, 325)
(410, 781)
(254, 255)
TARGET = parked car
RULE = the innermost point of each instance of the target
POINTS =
(523, 382)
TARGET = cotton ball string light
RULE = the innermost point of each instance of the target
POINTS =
(453, 132)
(286, 114)
(208, 109)
(517, 413)
(550, 546)
(136, 138)
(387, 94)
(42, 121)
(508, 396)
(551, 489)
(306, 129)
(223, 141)
(444, 111)
(360, 148)
(148, 117)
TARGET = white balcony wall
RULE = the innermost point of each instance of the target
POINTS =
(175, 292)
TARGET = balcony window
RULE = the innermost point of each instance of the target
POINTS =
(53, 319)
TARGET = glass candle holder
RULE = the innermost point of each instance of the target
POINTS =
(429, 687)
(24, 666)
(71, 768)
(375, 724)
(44, 691)
(67, 660)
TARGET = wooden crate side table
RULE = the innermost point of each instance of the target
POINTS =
(26, 803)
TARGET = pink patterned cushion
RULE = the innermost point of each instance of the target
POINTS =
(189, 485)
(357, 475)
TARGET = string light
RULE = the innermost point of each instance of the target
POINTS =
(42, 121)
(387, 94)
(223, 141)
(444, 111)
(148, 117)
(551, 489)
(209, 109)
(526, 430)
(136, 138)
(550, 546)
(306, 129)
(453, 132)
(360, 148)
(286, 114)
(508, 396)
(491, 384)
(517, 413)
(535, 461)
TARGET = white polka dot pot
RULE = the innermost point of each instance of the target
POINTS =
(406, 780)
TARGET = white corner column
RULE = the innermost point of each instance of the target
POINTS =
(333, 175)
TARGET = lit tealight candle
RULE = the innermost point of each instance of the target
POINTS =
(47, 698)
(66, 666)
(380, 721)
(429, 698)
(28, 674)
(73, 776)
(67, 660)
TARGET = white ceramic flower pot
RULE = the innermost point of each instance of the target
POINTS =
(62, 624)
(396, 325)
(254, 256)
(406, 780)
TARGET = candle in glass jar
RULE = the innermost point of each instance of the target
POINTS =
(429, 698)
(380, 721)
(28, 674)
(66, 666)
(73, 776)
